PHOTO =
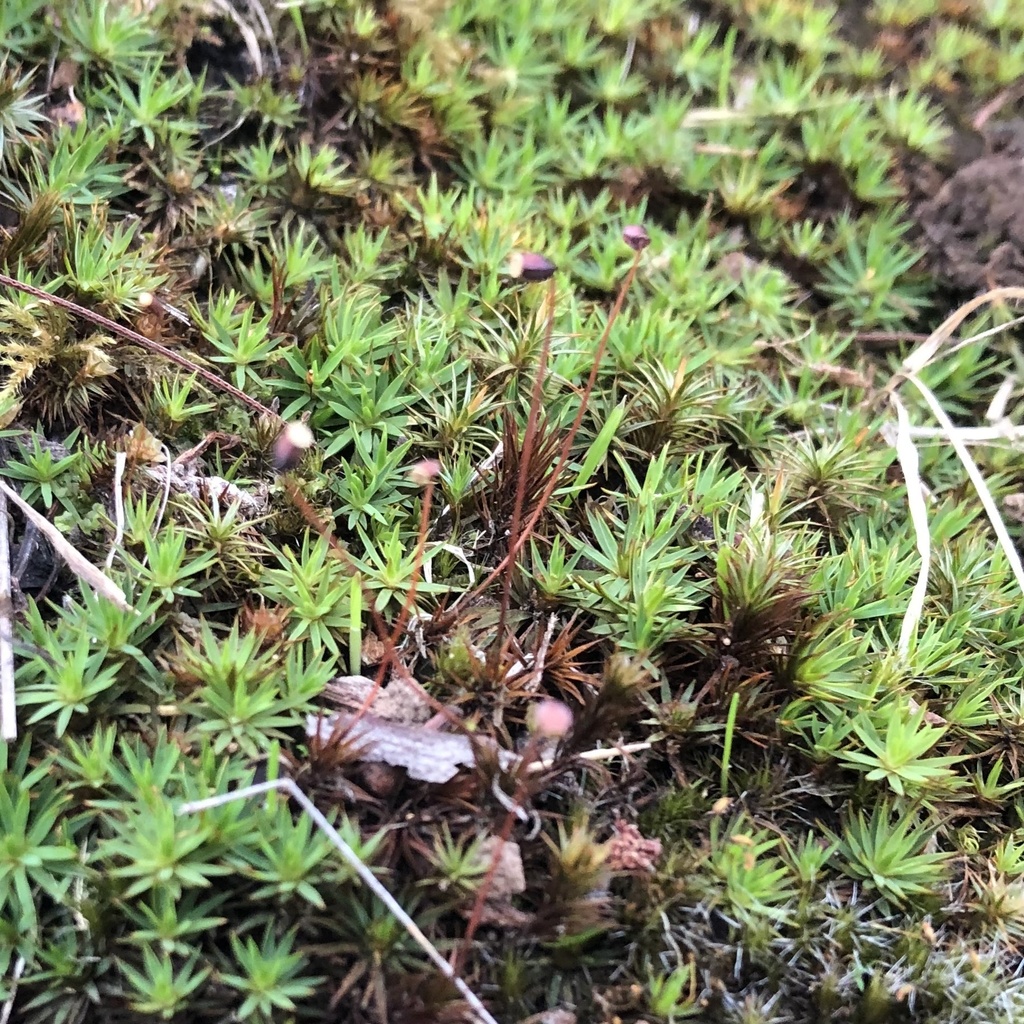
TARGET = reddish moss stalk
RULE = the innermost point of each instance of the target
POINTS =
(519, 542)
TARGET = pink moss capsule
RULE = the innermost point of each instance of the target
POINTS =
(636, 237)
(530, 266)
(551, 718)
(291, 444)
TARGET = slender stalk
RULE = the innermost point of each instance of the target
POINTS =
(563, 457)
(462, 949)
(8, 702)
(388, 637)
(730, 729)
(526, 454)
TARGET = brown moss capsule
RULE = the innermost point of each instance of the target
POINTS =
(291, 444)
(530, 266)
(636, 237)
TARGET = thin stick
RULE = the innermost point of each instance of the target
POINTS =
(976, 477)
(8, 707)
(598, 754)
(353, 861)
(218, 383)
(925, 353)
(166, 496)
(16, 973)
(973, 435)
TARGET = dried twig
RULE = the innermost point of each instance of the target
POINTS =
(976, 477)
(245, 30)
(165, 497)
(77, 563)
(16, 972)
(8, 709)
(599, 754)
(924, 355)
(351, 858)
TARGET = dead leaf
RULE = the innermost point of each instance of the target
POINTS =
(425, 754)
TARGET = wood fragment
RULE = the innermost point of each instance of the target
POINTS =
(120, 461)
(370, 880)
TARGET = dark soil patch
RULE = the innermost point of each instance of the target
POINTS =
(972, 228)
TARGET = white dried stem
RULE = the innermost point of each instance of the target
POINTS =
(76, 562)
(926, 352)
(911, 466)
(120, 461)
(1002, 432)
(16, 972)
(599, 754)
(976, 477)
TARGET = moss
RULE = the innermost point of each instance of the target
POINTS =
(597, 314)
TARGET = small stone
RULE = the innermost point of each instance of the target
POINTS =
(636, 237)
(508, 878)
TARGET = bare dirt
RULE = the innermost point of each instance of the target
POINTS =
(973, 226)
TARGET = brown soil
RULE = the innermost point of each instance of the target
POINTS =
(973, 226)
